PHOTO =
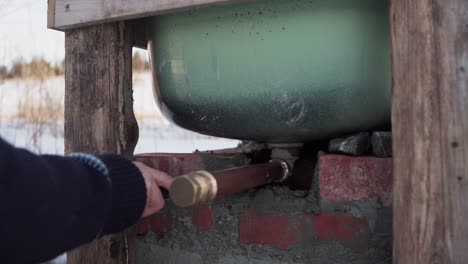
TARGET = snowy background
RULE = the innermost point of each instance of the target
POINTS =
(31, 116)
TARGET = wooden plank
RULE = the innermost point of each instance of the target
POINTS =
(50, 13)
(99, 114)
(430, 130)
(71, 14)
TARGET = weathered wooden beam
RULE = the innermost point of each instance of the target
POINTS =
(50, 13)
(66, 14)
(430, 128)
(99, 114)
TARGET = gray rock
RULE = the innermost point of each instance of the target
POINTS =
(382, 144)
(300, 194)
(355, 145)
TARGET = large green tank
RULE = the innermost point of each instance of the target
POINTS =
(279, 71)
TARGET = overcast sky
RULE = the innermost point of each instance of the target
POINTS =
(24, 33)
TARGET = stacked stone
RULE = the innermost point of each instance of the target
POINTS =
(378, 144)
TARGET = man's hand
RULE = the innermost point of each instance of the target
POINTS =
(153, 180)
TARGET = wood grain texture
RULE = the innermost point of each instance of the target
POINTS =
(99, 114)
(73, 14)
(430, 130)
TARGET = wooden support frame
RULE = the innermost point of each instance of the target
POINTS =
(67, 14)
(429, 115)
(430, 130)
(99, 115)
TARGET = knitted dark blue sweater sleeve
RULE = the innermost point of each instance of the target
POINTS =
(51, 204)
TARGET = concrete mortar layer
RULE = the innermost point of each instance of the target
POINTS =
(186, 243)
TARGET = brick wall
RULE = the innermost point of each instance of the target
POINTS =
(344, 216)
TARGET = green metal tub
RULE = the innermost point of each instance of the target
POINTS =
(275, 71)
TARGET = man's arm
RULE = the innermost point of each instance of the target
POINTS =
(50, 204)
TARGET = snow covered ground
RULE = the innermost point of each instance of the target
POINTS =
(26, 108)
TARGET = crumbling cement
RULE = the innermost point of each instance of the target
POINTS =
(366, 209)
(217, 245)
(185, 243)
(151, 253)
(277, 199)
(333, 252)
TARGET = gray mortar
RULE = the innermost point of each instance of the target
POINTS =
(215, 245)
(383, 225)
(221, 245)
(151, 253)
(280, 199)
(313, 197)
(333, 252)
(185, 244)
(367, 209)
(379, 220)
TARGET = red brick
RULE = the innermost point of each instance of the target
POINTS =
(273, 230)
(203, 218)
(339, 226)
(282, 231)
(142, 227)
(343, 178)
(160, 224)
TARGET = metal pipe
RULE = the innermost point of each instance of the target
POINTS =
(203, 186)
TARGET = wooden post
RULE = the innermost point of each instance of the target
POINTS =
(430, 128)
(99, 114)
